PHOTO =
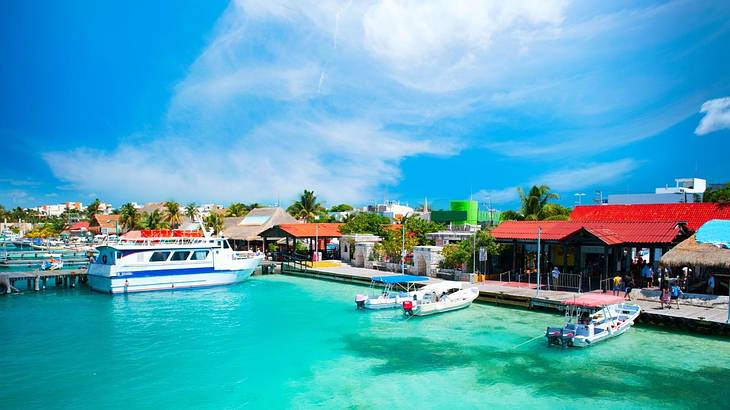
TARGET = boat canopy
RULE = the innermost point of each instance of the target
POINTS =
(593, 300)
(390, 280)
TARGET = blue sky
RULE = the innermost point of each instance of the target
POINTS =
(359, 100)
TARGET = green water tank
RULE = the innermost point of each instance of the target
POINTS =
(470, 207)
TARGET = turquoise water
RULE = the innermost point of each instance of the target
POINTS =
(282, 342)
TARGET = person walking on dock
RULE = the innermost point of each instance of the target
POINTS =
(629, 286)
(664, 298)
(674, 293)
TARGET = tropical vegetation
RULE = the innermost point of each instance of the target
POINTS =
(366, 222)
(129, 217)
(536, 206)
(341, 208)
(173, 214)
(191, 211)
(214, 222)
(307, 207)
(153, 220)
(93, 209)
(718, 194)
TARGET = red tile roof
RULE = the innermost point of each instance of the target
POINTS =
(106, 221)
(695, 214)
(610, 233)
(330, 230)
(79, 226)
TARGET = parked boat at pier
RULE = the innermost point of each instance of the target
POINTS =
(173, 262)
(440, 298)
(389, 297)
(593, 318)
(54, 262)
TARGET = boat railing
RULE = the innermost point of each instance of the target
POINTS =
(161, 241)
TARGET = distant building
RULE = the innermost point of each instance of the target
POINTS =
(106, 208)
(686, 190)
(465, 213)
(392, 210)
(104, 224)
(57, 209)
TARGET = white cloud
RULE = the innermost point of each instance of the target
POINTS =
(568, 179)
(717, 116)
(342, 161)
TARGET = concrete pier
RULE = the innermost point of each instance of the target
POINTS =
(37, 279)
(707, 316)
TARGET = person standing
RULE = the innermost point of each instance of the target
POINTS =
(629, 284)
(648, 274)
(555, 274)
(711, 284)
(664, 298)
(616, 284)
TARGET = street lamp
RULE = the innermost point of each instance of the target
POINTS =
(580, 196)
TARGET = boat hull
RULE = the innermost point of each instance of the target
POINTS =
(117, 285)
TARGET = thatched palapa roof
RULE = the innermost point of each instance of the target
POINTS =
(258, 220)
(692, 253)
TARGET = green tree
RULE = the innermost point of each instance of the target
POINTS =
(153, 220)
(420, 227)
(214, 221)
(341, 208)
(129, 217)
(173, 214)
(554, 212)
(456, 255)
(191, 211)
(718, 194)
(366, 222)
(307, 207)
(510, 215)
(535, 200)
(392, 245)
(237, 209)
(93, 209)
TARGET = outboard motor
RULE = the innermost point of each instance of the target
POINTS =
(360, 301)
(408, 308)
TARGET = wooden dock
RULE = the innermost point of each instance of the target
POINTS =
(38, 279)
(698, 316)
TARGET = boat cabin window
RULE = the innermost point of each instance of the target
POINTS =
(199, 255)
(159, 256)
(225, 244)
(180, 256)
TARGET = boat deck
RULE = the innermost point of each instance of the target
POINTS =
(708, 315)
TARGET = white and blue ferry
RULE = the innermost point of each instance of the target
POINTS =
(146, 264)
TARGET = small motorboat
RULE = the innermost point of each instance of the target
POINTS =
(54, 262)
(388, 292)
(592, 318)
(441, 297)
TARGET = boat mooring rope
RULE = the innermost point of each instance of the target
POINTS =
(531, 340)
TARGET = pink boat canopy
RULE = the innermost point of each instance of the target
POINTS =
(594, 300)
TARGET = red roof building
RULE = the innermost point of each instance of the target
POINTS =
(608, 233)
(694, 214)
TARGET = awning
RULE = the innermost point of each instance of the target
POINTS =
(390, 280)
(594, 300)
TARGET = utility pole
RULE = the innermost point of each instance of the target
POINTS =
(539, 230)
(403, 247)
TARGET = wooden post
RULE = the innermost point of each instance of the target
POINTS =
(37, 283)
(514, 256)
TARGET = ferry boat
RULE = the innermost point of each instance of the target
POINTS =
(593, 318)
(177, 261)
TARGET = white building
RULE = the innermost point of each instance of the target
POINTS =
(58, 209)
(392, 210)
(685, 190)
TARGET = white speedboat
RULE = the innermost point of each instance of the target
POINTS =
(593, 318)
(389, 292)
(441, 297)
(163, 263)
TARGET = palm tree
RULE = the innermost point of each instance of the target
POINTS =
(214, 221)
(535, 200)
(306, 207)
(191, 211)
(93, 209)
(237, 209)
(173, 214)
(153, 220)
(129, 217)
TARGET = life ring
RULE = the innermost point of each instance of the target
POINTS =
(104, 259)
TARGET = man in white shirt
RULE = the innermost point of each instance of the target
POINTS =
(555, 274)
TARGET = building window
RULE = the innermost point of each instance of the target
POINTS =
(159, 256)
(199, 255)
(180, 256)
